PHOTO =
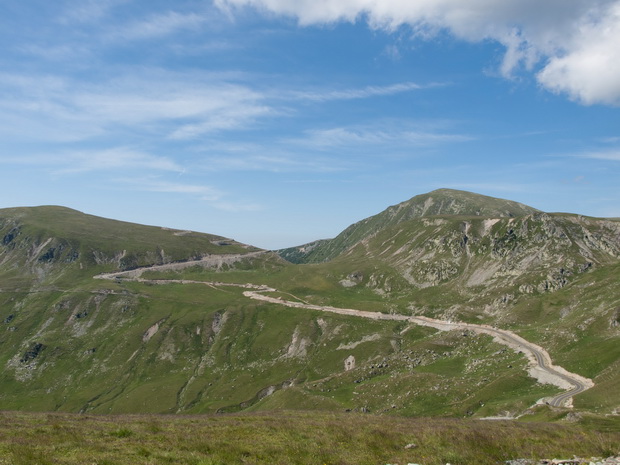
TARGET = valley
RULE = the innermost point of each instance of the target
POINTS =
(541, 366)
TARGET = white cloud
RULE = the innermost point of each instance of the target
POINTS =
(576, 41)
(204, 192)
(91, 160)
(352, 94)
(113, 159)
(608, 155)
(278, 161)
(56, 53)
(84, 11)
(211, 195)
(371, 136)
(331, 150)
(160, 25)
(170, 104)
(197, 108)
(590, 70)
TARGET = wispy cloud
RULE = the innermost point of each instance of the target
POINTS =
(330, 150)
(577, 180)
(63, 52)
(93, 160)
(282, 162)
(608, 155)
(173, 105)
(114, 159)
(357, 93)
(85, 11)
(170, 104)
(156, 185)
(212, 196)
(365, 136)
(159, 25)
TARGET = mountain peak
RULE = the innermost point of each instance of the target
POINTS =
(440, 202)
(462, 203)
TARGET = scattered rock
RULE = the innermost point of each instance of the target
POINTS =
(8, 238)
(32, 353)
(48, 256)
(149, 333)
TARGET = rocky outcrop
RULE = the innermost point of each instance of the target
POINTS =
(537, 253)
(33, 352)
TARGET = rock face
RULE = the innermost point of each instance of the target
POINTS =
(540, 251)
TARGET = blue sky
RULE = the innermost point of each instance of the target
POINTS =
(277, 122)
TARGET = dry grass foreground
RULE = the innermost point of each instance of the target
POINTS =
(287, 438)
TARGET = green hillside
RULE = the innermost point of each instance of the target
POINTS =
(178, 334)
(43, 244)
(441, 202)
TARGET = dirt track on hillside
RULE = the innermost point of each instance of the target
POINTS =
(540, 365)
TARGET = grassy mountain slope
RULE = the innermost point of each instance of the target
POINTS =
(73, 343)
(441, 202)
(46, 243)
(552, 278)
(289, 438)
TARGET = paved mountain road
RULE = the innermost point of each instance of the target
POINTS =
(541, 366)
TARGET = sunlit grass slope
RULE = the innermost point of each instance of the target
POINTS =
(288, 438)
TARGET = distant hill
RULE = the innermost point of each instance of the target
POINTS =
(36, 240)
(441, 202)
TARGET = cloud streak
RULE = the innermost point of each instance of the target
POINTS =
(115, 159)
(93, 160)
(364, 137)
(160, 25)
(86, 11)
(174, 106)
(608, 155)
(166, 104)
(360, 93)
(212, 196)
(575, 43)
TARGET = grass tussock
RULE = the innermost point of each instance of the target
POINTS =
(287, 438)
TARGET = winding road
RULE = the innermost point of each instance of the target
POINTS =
(540, 365)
